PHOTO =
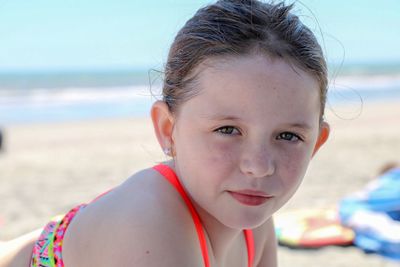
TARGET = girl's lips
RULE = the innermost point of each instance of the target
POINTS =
(250, 197)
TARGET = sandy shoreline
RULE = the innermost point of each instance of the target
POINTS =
(48, 168)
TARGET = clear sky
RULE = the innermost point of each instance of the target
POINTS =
(117, 34)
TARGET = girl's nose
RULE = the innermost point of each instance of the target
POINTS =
(258, 163)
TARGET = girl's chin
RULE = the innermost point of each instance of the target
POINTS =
(246, 222)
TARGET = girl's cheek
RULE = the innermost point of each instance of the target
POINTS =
(295, 164)
(223, 152)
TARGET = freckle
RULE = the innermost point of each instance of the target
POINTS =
(147, 252)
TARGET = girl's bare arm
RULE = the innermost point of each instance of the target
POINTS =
(18, 252)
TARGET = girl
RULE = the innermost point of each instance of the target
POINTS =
(241, 117)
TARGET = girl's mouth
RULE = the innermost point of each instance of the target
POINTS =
(249, 197)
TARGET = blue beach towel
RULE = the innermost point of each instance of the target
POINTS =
(374, 215)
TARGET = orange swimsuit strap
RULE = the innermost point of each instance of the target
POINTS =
(170, 175)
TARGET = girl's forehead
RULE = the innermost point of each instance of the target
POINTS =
(255, 75)
(255, 87)
(256, 68)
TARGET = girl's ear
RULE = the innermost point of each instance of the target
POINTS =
(163, 123)
(322, 137)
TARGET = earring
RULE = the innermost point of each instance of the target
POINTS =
(167, 151)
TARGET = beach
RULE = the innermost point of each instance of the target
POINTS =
(47, 168)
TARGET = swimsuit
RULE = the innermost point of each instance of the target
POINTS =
(47, 249)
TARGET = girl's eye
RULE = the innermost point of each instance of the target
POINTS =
(288, 136)
(228, 130)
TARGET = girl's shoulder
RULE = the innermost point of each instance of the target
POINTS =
(142, 220)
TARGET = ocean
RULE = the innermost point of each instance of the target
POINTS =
(50, 96)
(31, 97)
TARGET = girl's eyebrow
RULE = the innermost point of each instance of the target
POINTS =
(301, 125)
(214, 117)
(221, 117)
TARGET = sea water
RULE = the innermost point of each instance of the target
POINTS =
(71, 96)
(32, 97)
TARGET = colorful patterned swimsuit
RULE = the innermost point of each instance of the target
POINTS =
(47, 251)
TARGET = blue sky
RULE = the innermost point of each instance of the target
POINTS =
(118, 34)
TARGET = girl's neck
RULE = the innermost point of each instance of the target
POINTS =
(220, 237)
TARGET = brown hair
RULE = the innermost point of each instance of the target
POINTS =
(240, 27)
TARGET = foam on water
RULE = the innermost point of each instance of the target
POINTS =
(83, 103)
(49, 105)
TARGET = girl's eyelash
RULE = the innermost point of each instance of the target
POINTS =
(228, 130)
(232, 130)
(289, 136)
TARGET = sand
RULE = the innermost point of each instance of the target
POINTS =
(45, 169)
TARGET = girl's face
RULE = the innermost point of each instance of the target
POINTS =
(243, 144)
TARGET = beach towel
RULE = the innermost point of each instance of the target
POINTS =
(374, 215)
(312, 228)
